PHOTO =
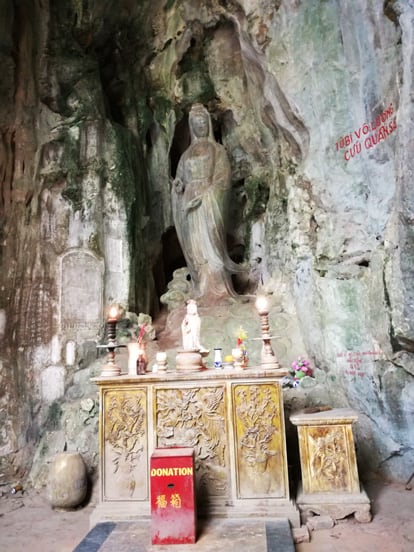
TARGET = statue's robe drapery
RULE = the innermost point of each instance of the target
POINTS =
(199, 200)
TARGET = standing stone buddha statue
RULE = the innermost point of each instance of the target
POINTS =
(200, 202)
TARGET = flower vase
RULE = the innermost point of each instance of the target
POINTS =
(218, 361)
(237, 355)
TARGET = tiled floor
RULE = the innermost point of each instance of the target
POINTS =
(222, 534)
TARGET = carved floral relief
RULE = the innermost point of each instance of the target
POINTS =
(328, 455)
(259, 440)
(196, 418)
(126, 440)
(330, 460)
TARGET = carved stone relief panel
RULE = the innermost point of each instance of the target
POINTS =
(81, 293)
(329, 456)
(55, 213)
(259, 441)
(125, 446)
(195, 417)
(90, 141)
(235, 424)
(34, 317)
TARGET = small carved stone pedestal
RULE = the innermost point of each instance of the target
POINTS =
(330, 483)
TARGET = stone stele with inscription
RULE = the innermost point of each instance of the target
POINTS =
(81, 293)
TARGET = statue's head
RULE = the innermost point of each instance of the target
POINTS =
(200, 122)
(191, 306)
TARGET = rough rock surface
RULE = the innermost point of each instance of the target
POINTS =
(312, 101)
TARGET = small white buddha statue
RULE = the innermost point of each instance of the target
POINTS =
(190, 328)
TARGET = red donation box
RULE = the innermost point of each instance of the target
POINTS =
(173, 508)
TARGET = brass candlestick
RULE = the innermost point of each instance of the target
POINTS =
(110, 369)
(268, 357)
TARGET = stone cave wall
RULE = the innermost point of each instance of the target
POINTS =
(312, 102)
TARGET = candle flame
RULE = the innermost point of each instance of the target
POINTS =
(113, 313)
(261, 304)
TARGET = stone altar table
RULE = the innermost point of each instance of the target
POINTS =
(234, 420)
(330, 483)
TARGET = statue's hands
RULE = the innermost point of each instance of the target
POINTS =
(178, 185)
(194, 203)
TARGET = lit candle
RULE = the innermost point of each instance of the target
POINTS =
(110, 368)
(261, 304)
(113, 314)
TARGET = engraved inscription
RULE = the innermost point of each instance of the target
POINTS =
(34, 313)
(89, 141)
(81, 295)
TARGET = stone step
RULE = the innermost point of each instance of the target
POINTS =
(232, 535)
